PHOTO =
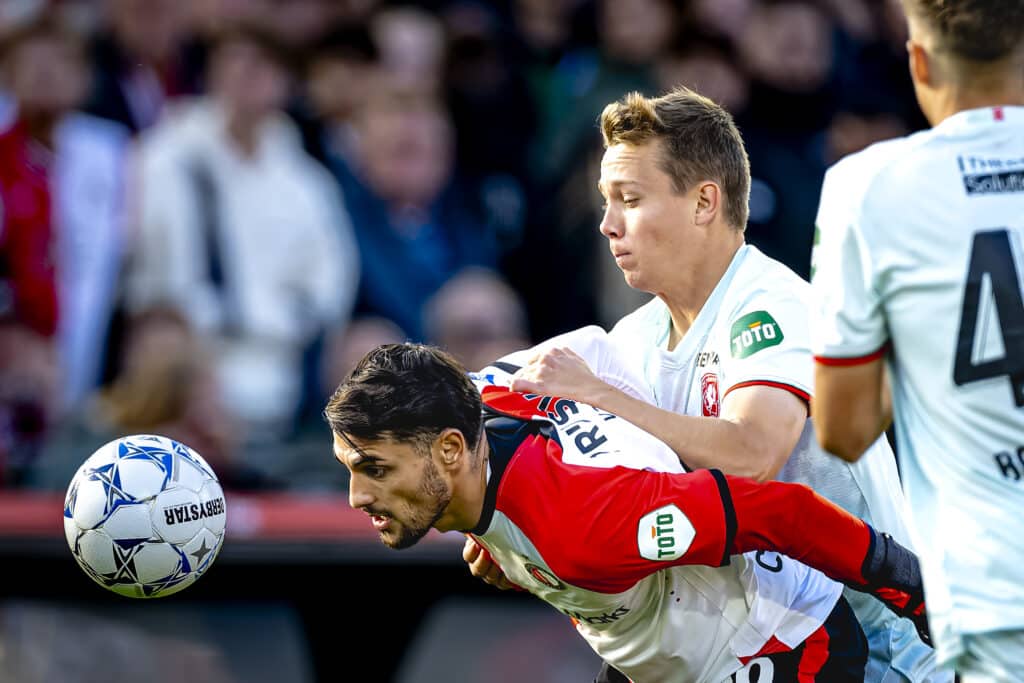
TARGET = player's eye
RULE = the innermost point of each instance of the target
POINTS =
(630, 201)
(374, 471)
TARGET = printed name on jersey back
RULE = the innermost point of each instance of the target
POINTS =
(987, 175)
(579, 425)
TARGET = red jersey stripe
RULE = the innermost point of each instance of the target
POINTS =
(796, 391)
(814, 656)
(773, 646)
(853, 360)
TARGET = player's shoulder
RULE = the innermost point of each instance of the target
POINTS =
(852, 181)
(762, 283)
(860, 167)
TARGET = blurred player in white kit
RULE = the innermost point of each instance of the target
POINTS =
(919, 268)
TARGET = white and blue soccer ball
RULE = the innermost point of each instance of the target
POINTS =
(144, 516)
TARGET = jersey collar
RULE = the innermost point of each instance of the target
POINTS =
(969, 118)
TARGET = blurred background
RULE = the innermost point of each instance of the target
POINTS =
(210, 209)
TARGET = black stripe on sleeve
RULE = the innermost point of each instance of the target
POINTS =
(506, 367)
(730, 514)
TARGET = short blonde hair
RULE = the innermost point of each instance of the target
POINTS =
(699, 139)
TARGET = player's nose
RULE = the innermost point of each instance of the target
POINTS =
(611, 223)
(359, 495)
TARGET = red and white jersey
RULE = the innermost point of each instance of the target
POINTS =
(589, 513)
(921, 261)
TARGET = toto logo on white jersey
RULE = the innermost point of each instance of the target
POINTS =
(664, 534)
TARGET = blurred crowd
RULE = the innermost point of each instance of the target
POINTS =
(210, 209)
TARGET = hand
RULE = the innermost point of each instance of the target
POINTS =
(483, 566)
(910, 605)
(893, 575)
(558, 372)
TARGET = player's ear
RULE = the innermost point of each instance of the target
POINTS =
(708, 204)
(451, 448)
(920, 63)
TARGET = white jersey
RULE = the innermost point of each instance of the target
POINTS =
(647, 607)
(920, 259)
(753, 330)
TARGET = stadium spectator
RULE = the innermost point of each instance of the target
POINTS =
(302, 23)
(486, 91)
(139, 62)
(343, 350)
(244, 232)
(342, 71)
(476, 317)
(62, 189)
(168, 386)
(412, 46)
(787, 49)
(416, 229)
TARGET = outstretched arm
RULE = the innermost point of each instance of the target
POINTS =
(792, 519)
(629, 524)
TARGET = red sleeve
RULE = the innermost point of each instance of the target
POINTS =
(794, 520)
(606, 529)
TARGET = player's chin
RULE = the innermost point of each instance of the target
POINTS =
(631, 276)
(401, 537)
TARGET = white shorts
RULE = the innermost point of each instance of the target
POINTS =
(895, 653)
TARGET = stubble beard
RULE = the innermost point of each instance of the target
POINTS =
(432, 487)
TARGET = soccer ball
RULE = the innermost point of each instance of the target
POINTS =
(144, 516)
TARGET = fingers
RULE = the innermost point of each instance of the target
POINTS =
(525, 385)
(470, 551)
(482, 566)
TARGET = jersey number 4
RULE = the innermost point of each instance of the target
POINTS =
(991, 264)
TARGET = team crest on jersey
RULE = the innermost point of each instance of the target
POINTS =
(664, 534)
(754, 332)
(541, 575)
(709, 395)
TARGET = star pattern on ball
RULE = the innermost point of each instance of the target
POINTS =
(124, 566)
(202, 551)
(126, 552)
(156, 454)
(183, 452)
(110, 478)
(182, 573)
(69, 501)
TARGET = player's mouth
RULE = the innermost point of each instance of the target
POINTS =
(380, 522)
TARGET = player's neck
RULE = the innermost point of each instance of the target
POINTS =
(976, 93)
(469, 494)
(686, 297)
(952, 106)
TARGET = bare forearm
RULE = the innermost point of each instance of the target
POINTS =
(700, 442)
(852, 407)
